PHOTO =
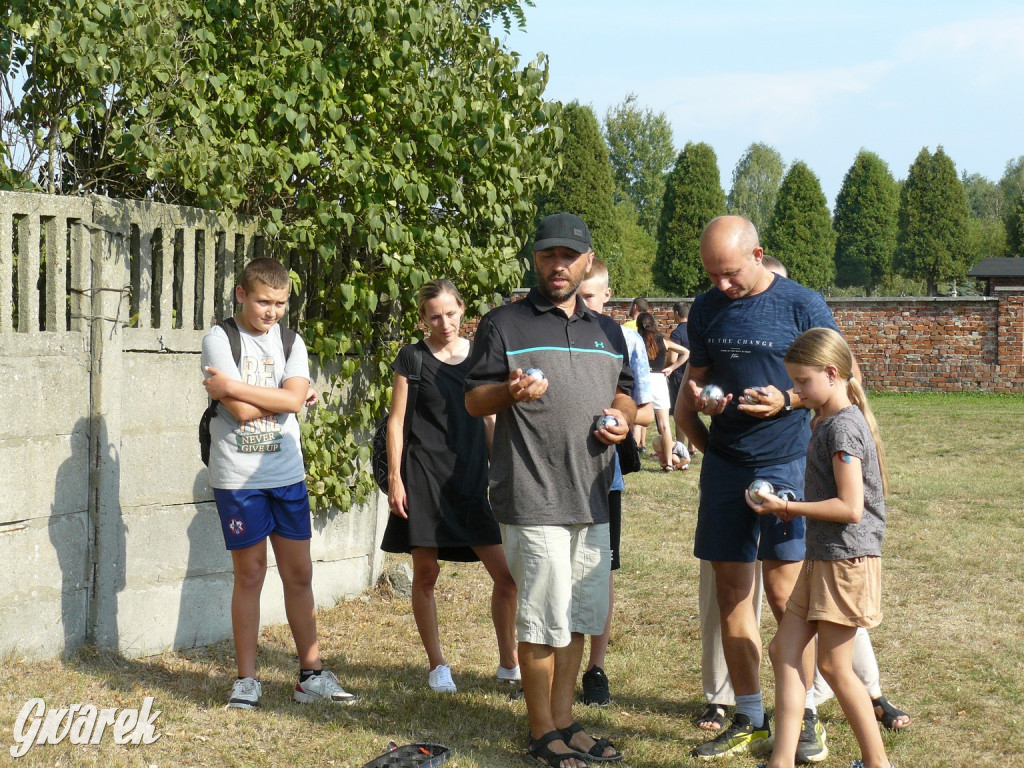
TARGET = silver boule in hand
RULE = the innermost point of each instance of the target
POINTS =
(758, 489)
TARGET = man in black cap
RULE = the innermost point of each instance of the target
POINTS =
(550, 369)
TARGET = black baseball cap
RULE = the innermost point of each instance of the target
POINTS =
(563, 229)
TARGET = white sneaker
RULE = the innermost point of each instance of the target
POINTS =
(323, 687)
(245, 694)
(440, 679)
(509, 675)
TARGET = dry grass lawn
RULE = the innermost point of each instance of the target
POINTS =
(951, 647)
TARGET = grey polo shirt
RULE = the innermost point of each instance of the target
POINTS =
(547, 468)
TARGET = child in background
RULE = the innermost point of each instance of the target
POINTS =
(839, 587)
(259, 480)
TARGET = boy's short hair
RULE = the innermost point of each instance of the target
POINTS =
(267, 271)
(682, 309)
(597, 269)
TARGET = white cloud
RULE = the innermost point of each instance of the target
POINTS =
(996, 37)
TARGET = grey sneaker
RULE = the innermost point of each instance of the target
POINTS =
(811, 748)
(323, 687)
(245, 693)
(737, 738)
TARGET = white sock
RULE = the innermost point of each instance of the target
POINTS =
(809, 702)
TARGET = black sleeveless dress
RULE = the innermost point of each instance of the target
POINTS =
(444, 467)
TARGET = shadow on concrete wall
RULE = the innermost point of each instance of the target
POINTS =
(68, 526)
(205, 583)
(92, 564)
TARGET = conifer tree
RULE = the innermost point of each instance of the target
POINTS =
(800, 234)
(583, 186)
(865, 222)
(932, 243)
(693, 196)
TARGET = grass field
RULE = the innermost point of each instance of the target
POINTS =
(951, 646)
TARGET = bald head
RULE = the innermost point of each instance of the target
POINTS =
(729, 232)
(731, 254)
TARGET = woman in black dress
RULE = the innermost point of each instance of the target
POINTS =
(437, 486)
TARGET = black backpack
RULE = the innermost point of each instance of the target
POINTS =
(230, 327)
(379, 444)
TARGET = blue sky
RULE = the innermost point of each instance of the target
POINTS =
(816, 80)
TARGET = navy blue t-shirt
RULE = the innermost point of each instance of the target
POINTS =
(743, 342)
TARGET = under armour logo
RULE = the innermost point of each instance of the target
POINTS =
(598, 345)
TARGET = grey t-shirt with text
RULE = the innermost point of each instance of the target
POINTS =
(264, 452)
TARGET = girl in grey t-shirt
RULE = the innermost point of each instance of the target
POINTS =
(839, 587)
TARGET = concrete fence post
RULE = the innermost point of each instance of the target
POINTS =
(110, 237)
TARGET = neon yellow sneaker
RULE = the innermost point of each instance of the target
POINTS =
(735, 739)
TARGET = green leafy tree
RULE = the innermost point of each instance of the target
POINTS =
(985, 200)
(986, 228)
(631, 260)
(1012, 184)
(381, 143)
(755, 184)
(1015, 229)
(640, 150)
(932, 244)
(693, 196)
(865, 223)
(800, 234)
(584, 184)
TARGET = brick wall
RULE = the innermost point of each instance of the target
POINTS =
(914, 344)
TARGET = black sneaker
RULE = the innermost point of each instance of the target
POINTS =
(737, 738)
(595, 688)
(811, 748)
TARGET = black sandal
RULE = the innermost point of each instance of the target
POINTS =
(713, 713)
(542, 753)
(596, 752)
(887, 714)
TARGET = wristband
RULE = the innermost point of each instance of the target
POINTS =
(787, 403)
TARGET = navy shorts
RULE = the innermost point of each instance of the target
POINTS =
(247, 516)
(728, 531)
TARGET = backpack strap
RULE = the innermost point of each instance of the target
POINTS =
(230, 328)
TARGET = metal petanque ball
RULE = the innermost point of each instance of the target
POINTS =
(607, 421)
(753, 398)
(712, 393)
(535, 373)
(758, 488)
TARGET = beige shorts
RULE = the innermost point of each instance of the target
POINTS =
(562, 574)
(845, 592)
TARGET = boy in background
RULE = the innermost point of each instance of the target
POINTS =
(259, 481)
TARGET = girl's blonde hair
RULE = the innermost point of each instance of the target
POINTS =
(821, 347)
(434, 288)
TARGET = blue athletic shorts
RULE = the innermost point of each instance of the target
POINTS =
(247, 517)
(728, 531)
